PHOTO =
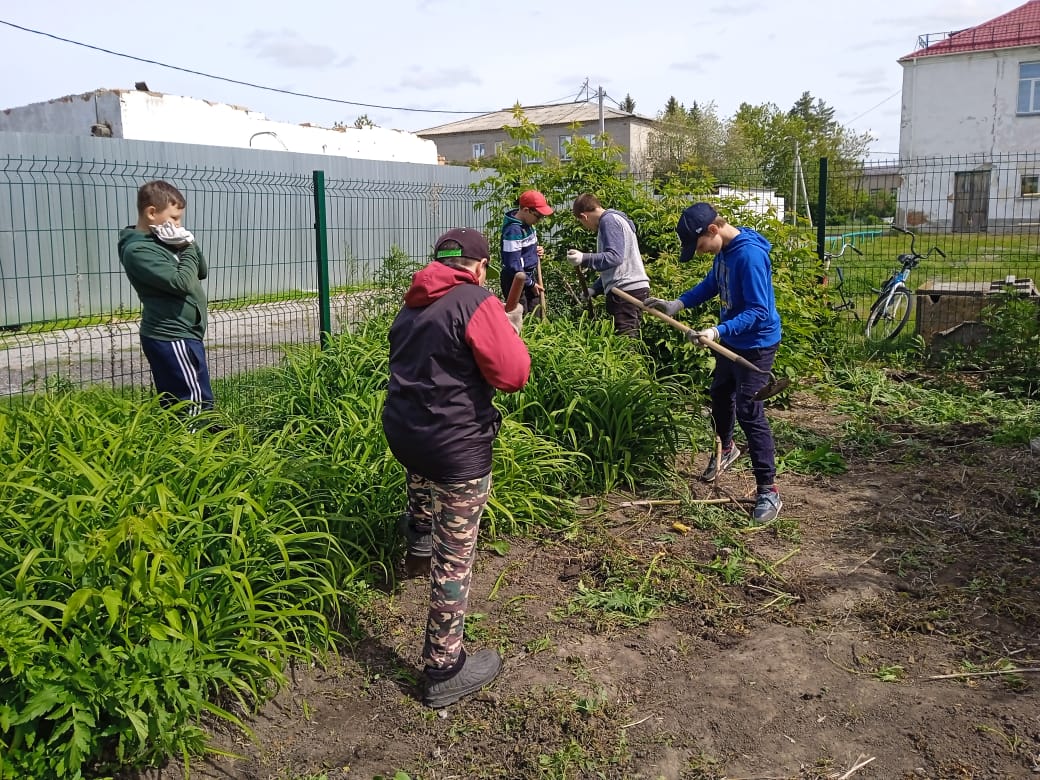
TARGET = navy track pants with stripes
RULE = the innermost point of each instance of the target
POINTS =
(179, 371)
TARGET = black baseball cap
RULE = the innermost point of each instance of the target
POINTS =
(474, 246)
(692, 224)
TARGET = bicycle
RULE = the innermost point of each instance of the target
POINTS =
(890, 312)
(847, 304)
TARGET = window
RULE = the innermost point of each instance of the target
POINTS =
(1030, 185)
(1029, 88)
(564, 152)
(478, 151)
(500, 146)
(591, 138)
(536, 145)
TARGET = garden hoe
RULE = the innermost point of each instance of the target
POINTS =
(542, 312)
(515, 290)
(775, 386)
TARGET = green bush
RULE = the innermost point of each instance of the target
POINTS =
(810, 339)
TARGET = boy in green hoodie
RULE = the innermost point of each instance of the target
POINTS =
(165, 266)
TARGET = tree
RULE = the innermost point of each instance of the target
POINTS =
(771, 138)
(686, 138)
(363, 121)
(628, 105)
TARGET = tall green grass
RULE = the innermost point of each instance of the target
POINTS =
(595, 393)
(154, 574)
(149, 571)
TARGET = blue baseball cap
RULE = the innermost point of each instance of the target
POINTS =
(692, 224)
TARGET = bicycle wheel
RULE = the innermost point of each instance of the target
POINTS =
(887, 318)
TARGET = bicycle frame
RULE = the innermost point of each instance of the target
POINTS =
(847, 304)
(893, 283)
(891, 310)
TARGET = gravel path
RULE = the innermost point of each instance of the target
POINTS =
(237, 341)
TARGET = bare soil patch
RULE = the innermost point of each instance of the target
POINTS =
(814, 658)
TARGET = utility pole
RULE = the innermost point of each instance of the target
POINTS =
(799, 181)
(602, 127)
(794, 188)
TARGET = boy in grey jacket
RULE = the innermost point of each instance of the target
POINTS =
(617, 259)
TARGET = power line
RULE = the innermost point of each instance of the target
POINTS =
(236, 81)
(897, 92)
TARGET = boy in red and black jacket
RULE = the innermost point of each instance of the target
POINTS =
(451, 347)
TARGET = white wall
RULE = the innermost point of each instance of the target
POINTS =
(147, 116)
(965, 104)
(959, 114)
(758, 201)
(69, 115)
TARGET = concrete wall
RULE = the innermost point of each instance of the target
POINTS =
(966, 104)
(149, 116)
(959, 115)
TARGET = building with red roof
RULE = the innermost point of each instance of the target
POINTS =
(974, 95)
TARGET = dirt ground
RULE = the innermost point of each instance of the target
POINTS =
(819, 662)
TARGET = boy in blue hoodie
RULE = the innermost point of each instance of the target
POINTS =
(742, 278)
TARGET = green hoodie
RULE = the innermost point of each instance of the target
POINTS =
(173, 302)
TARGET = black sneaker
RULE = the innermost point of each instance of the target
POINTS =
(728, 456)
(415, 543)
(477, 671)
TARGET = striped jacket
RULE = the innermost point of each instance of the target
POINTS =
(519, 247)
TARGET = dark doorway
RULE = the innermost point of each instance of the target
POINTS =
(971, 202)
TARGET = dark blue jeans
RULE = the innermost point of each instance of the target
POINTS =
(733, 388)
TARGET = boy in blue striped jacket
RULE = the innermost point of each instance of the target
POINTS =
(520, 248)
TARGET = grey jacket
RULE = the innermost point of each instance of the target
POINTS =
(617, 259)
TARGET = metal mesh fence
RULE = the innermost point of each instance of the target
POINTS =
(981, 211)
(70, 316)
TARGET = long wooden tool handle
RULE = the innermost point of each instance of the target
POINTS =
(515, 290)
(712, 345)
(584, 290)
(541, 296)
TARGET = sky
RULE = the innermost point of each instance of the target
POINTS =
(459, 58)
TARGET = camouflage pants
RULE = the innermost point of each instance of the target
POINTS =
(451, 512)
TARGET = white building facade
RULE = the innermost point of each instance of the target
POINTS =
(969, 141)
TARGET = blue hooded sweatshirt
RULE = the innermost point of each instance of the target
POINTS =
(742, 277)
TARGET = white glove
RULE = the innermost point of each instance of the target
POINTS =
(671, 308)
(708, 334)
(575, 257)
(172, 235)
(516, 318)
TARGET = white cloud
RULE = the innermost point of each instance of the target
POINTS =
(435, 79)
(287, 49)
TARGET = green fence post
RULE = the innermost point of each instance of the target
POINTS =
(322, 238)
(821, 211)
